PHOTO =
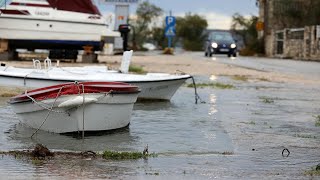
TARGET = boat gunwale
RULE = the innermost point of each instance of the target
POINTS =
(129, 82)
(101, 87)
(51, 20)
(111, 93)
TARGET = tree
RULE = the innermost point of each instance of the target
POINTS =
(158, 36)
(190, 29)
(146, 13)
(246, 27)
(296, 13)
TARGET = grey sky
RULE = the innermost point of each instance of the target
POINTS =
(217, 12)
(227, 7)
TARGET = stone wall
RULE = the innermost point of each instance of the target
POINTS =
(313, 43)
(298, 43)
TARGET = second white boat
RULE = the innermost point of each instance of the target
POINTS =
(158, 86)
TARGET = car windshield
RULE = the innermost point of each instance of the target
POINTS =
(220, 36)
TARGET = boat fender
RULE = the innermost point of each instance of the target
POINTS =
(77, 101)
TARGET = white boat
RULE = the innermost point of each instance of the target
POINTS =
(153, 85)
(157, 86)
(72, 107)
(53, 24)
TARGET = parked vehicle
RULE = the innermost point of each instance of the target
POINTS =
(220, 42)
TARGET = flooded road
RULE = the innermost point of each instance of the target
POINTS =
(307, 69)
(239, 133)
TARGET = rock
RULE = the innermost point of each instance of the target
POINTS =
(41, 151)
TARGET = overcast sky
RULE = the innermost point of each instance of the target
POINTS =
(217, 12)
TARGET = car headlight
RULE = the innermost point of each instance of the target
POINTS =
(214, 45)
(233, 45)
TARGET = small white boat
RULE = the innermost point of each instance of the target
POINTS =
(159, 86)
(72, 107)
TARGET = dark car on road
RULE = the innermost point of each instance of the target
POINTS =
(220, 42)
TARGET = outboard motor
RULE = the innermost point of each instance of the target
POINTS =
(124, 29)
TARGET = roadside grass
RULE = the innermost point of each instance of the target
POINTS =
(9, 92)
(39, 154)
(169, 51)
(315, 171)
(154, 173)
(240, 78)
(227, 153)
(250, 123)
(216, 85)
(264, 79)
(37, 162)
(306, 136)
(317, 123)
(266, 100)
(115, 155)
(136, 69)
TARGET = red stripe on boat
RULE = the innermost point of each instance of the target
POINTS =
(29, 4)
(14, 12)
(75, 88)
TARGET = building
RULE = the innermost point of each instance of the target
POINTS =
(289, 31)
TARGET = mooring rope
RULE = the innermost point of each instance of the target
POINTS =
(196, 95)
(50, 109)
(48, 112)
(83, 106)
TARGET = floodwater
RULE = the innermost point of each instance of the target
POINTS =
(237, 134)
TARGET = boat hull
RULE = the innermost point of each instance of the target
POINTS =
(161, 90)
(50, 34)
(111, 111)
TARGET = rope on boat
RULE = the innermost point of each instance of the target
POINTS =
(83, 106)
(6, 68)
(41, 105)
(24, 79)
(71, 72)
(196, 95)
(50, 110)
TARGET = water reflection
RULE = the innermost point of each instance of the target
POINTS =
(213, 78)
(213, 100)
(154, 106)
(119, 139)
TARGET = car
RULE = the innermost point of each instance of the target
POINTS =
(220, 42)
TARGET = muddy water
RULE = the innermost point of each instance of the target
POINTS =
(252, 123)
